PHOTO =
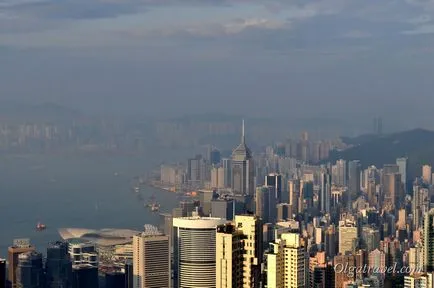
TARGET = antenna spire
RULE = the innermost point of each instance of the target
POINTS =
(243, 135)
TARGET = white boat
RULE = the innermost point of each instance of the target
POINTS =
(155, 207)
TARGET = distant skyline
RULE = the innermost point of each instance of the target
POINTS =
(325, 58)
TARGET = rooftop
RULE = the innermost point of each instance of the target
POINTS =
(103, 237)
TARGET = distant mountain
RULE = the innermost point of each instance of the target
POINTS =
(417, 145)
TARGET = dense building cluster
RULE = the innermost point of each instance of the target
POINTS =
(268, 220)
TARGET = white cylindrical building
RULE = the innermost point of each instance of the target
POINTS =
(195, 251)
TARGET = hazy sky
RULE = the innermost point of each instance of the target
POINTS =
(284, 57)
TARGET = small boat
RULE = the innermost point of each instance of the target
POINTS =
(137, 189)
(155, 207)
(40, 226)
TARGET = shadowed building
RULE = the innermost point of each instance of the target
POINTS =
(58, 266)
(20, 246)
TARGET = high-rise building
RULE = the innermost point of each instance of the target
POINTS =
(223, 208)
(114, 280)
(331, 241)
(427, 174)
(30, 270)
(84, 275)
(193, 169)
(151, 258)
(377, 261)
(347, 237)
(194, 257)
(217, 178)
(353, 179)
(321, 273)
(275, 180)
(415, 258)
(306, 195)
(266, 204)
(282, 211)
(378, 126)
(287, 262)
(229, 256)
(392, 191)
(341, 173)
(326, 190)
(2, 273)
(251, 227)
(227, 167)
(294, 189)
(82, 252)
(342, 273)
(129, 273)
(370, 238)
(428, 243)
(58, 266)
(19, 246)
(214, 156)
(403, 167)
(243, 169)
(419, 281)
(372, 193)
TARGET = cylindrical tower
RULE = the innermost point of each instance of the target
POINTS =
(195, 251)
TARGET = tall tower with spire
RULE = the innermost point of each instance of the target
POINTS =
(243, 169)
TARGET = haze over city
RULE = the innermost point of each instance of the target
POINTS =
(330, 58)
(216, 143)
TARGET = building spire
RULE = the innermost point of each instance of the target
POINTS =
(243, 136)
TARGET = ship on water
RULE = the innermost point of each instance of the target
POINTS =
(40, 226)
(152, 204)
(155, 207)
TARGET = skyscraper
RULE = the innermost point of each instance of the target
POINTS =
(214, 156)
(403, 167)
(341, 264)
(266, 204)
(84, 275)
(275, 180)
(294, 189)
(326, 190)
(223, 208)
(428, 243)
(251, 227)
(347, 237)
(129, 274)
(194, 257)
(30, 270)
(19, 246)
(2, 273)
(419, 281)
(392, 191)
(427, 174)
(287, 262)
(58, 266)
(353, 180)
(341, 173)
(243, 169)
(151, 258)
(227, 167)
(114, 280)
(378, 125)
(229, 257)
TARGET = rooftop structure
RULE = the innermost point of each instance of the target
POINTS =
(103, 237)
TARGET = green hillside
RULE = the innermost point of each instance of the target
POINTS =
(417, 145)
